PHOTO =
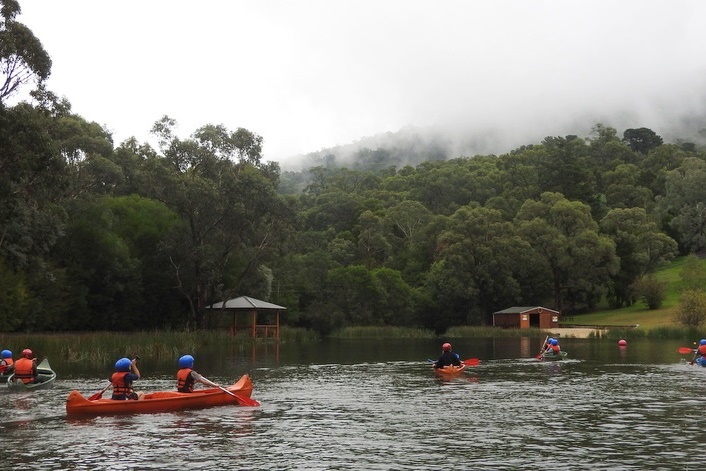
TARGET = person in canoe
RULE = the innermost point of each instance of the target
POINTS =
(25, 368)
(701, 351)
(554, 348)
(548, 344)
(126, 373)
(6, 361)
(187, 377)
(447, 357)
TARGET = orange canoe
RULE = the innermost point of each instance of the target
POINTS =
(449, 371)
(163, 401)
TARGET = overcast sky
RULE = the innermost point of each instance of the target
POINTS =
(307, 75)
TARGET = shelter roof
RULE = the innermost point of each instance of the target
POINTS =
(246, 303)
(524, 309)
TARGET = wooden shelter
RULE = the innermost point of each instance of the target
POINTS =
(259, 318)
(523, 317)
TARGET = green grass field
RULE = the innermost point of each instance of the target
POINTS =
(638, 313)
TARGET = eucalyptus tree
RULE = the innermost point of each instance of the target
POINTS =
(444, 187)
(112, 259)
(371, 297)
(642, 140)
(520, 173)
(575, 257)
(22, 56)
(640, 246)
(33, 183)
(623, 190)
(408, 224)
(230, 215)
(655, 166)
(474, 273)
(567, 168)
(684, 203)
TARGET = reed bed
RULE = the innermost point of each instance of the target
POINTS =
(383, 332)
(163, 345)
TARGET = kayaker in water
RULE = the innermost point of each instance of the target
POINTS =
(701, 351)
(554, 348)
(187, 377)
(447, 357)
(126, 373)
(548, 344)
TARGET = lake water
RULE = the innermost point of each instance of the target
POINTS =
(376, 405)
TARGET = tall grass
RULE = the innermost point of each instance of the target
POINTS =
(382, 332)
(104, 347)
(389, 332)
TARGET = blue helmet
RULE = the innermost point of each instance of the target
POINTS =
(550, 340)
(123, 364)
(703, 342)
(6, 354)
(187, 361)
(555, 342)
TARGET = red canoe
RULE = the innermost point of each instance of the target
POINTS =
(163, 401)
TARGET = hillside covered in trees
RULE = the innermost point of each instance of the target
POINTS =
(97, 236)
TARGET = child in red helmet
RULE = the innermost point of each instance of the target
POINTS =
(25, 368)
(447, 357)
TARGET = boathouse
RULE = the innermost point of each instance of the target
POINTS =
(523, 317)
(259, 319)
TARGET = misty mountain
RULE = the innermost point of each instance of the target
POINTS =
(414, 145)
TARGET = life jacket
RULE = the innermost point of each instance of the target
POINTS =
(119, 386)
(185, 383)
(701, 350)
(24, 370)
(556, 349)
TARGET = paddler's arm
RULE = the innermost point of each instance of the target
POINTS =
(133, 365)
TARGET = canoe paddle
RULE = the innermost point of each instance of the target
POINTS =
(98, 395)
(685, 350)
(467, 362)
(541, 349)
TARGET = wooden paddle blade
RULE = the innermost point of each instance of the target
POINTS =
(471, 362)
(685, 350)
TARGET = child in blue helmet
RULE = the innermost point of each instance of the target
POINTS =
(187, 377)
(553, 348)
(5, 362)
(126, 373)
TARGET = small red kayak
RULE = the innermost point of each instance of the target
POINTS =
(449, 371)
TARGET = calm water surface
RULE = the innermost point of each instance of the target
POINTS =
(376, 405)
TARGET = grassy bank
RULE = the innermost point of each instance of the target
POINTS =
(638, 313)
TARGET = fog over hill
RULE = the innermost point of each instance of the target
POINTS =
(413, 145)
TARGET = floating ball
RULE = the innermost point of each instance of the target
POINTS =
(622, 342)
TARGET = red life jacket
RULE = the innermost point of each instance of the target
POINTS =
(185, 383)
(701, 350)
(556, 349)
(119, 386)
(25, 370)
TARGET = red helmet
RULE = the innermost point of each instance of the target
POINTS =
(27, 353)
(446, 347)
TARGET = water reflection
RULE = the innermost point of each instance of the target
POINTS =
(377, 405)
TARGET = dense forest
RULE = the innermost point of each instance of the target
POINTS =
(96, 235)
